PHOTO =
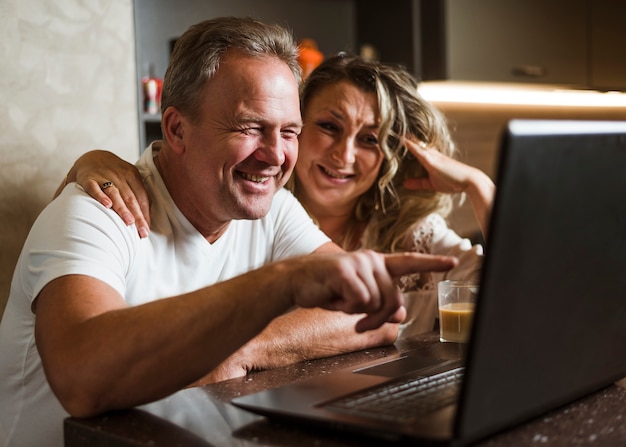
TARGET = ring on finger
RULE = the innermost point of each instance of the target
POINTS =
(106, 185)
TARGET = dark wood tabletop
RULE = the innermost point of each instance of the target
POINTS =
(204, 416)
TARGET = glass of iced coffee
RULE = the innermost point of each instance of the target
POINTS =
(457, 299)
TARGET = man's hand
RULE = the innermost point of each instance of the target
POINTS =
(362, 282)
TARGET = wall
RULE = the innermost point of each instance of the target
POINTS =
(67, 85)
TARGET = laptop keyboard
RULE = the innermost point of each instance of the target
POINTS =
(404, 400)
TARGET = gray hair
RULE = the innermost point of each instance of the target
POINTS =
(198, 52)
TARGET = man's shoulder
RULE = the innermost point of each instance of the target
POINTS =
(73, 198)
(74, 211)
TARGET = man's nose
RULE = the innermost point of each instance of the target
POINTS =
(271, 151)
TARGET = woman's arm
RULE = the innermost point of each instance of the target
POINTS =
(448, 175)
(126, 195)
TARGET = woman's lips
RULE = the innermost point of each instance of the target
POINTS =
(335, 174)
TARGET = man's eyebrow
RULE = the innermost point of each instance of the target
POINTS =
(261, 120)
(243, 118)
(295, 124)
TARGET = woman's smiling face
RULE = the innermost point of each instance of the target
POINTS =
(339, 157)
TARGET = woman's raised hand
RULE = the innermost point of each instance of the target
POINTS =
(448, 175)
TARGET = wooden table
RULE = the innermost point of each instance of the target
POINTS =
(204, 417)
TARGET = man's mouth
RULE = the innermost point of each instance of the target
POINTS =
(254, 178)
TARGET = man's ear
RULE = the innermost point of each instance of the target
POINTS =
(173, 127)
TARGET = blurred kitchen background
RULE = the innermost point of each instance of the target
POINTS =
(73, 74)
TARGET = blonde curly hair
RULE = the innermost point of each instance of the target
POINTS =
(387, 208)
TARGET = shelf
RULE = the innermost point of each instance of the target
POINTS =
(151, 118)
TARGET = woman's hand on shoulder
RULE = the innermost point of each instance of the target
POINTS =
(116, 184)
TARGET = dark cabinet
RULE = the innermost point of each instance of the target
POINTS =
(607, 44)
(570, 43)
(535, 41)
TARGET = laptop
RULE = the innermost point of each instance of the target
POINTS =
(550, 322)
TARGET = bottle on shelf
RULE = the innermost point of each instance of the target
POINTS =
(151, 86)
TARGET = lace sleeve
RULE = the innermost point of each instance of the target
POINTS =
(420, 240)
(431, 235)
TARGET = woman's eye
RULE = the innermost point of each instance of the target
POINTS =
(328, 126)
(370, 140)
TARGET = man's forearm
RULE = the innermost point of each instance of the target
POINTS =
(313, 333)
(301, 334)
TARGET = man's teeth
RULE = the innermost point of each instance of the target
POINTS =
(254, 178)
(333, 175)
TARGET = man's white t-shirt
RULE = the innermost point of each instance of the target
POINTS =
(76, 235)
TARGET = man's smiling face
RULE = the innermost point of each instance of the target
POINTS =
(244, 145)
